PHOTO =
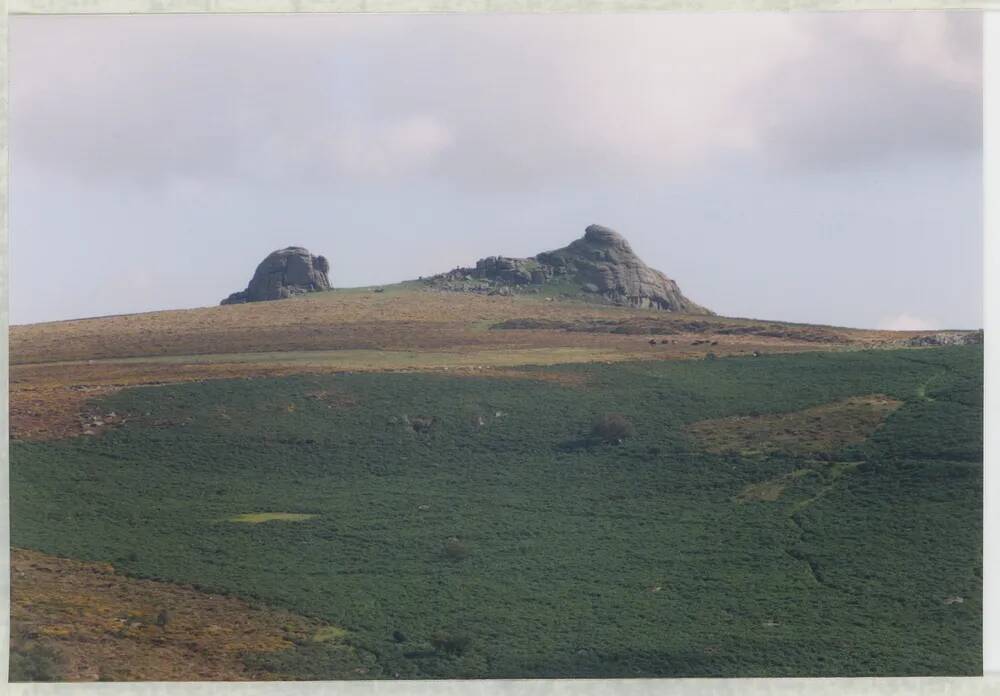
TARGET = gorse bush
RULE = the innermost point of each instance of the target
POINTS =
(421, 424)
(455, 549)
(32, 661)
(612, 427)
(450, 643)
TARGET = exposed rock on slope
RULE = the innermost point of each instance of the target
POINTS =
(600, 263)
(286, 272)
(947, 338)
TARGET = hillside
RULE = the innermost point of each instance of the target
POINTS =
(56, 367)
(466, 526)
(406, 484)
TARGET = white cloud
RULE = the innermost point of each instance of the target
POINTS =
(907, 322)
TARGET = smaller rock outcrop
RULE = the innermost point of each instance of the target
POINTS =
(947, 338)
(284, 273)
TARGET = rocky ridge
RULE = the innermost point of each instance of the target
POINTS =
(601, 264)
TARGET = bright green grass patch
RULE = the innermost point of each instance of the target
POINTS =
(258, 517)
(583, 560)
(328, 633)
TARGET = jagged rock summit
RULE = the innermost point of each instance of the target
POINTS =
(284, 273)
(601, 263)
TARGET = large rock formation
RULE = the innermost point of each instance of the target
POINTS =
(601, 263)
(286, 272)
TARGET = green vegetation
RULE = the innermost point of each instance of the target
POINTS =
(612, 428)
(31, 661)
(329, 633)
(654, 557)
(258, 517)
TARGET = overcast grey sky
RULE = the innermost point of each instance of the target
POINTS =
(822, 168)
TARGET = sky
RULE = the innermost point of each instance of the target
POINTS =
(822, 168)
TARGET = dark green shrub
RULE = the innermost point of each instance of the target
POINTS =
(31, 661)
(455, 549)
(450, 643)
(612, 428)
(421, 424)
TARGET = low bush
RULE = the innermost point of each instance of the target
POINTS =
(31, 661)
(455, 549)
(612, 428)
(450, 643)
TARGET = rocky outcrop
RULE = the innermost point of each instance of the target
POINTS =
(601, 263)
(947, 338)
(603, 260)
(284, 273)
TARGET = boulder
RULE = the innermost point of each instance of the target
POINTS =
(284, 273)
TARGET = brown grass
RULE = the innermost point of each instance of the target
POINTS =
(814, 430)
(58, 367)
(402, 320)
(103, 624)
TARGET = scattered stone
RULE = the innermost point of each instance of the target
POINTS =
(947, 338)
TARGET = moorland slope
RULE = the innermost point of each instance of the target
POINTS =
(405, 484)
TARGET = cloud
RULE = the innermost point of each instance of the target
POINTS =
(874, 86)
(500, 102)
(907, 322)
(356, 150)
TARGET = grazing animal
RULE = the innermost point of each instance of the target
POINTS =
(652, 341)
